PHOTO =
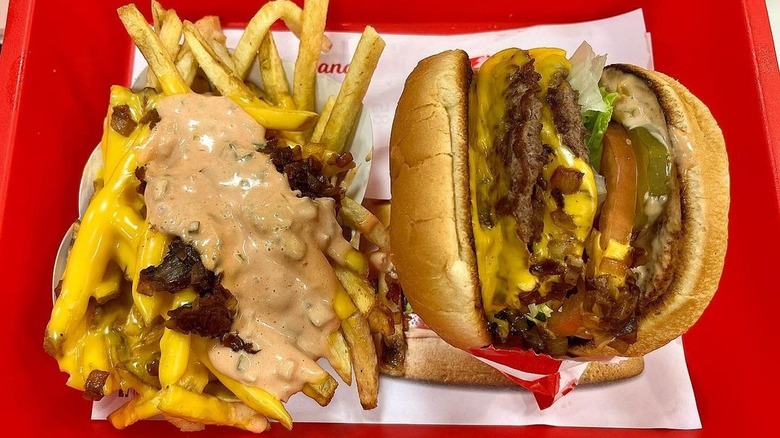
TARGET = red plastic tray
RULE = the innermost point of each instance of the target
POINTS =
(60, 57)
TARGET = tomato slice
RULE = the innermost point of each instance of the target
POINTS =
(619, 167)
(568, 321)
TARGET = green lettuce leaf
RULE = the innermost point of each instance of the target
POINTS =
(596, 123)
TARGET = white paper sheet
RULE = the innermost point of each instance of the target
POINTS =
(661, 397)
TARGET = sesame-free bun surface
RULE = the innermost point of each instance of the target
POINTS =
(430, 225)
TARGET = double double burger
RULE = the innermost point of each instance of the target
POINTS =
(553, 204)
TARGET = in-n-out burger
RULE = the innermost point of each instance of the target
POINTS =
(543, 203)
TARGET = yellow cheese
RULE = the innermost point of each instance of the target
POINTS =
(503, 260)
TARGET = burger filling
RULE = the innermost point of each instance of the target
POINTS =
(557, 266)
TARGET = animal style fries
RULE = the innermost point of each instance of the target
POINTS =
(131, 305)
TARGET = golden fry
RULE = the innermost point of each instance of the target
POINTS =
(109, 287)
(170, 33)
(380, 320)
(169, 30)
(187, 65)
(230, 85)
(322, 391)
(338, 357)
(259, 26)
(364, 358)
(319, 128)
(359, 218)
(353, 90)
(343, 304)
(158, 15)
(160, 61)
(256, 398)
(151, 250)
(211, 29)
(305, 75)
(196, 378)
(206, 409)
(175, 346)
(139, 408)
(272, 73)
(358, 288)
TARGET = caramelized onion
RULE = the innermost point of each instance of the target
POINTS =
(566, 180)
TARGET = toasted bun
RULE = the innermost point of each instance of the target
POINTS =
(433, 360)
(430, 228)
(430, 225)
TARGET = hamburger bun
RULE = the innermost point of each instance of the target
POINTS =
(431, 359)
(431, 233)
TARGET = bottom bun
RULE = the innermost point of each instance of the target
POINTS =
(433, 360)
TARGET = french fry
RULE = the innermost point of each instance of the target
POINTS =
(168, 26)
(272, 74)
(128, 381)
(187, 65)
(170, 33)
(259, 26)
(109, 287)
(338, 357)
(175, 346)
(319, 128)
(196, 378)
(160, 61)
(358, 288)
(380, 319)
(103, 321)
(91, 252)
(218, 390)
(211, 29)
(217, 40)
(322, 391)
(392, 353)
(364, 358)
(343, 304)
(152, 249)
(392, 348)
(139, 408)
(357, 262)
(158, 15)
(257, 91)
(305, 75)
(206, 409)
(256, 398)
(230, 85)
(353, 90)
(359, 218)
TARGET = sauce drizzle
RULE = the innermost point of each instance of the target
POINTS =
(208, 184)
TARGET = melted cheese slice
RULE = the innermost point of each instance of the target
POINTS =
(503, 260)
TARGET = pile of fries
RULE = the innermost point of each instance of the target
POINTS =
(110, 337)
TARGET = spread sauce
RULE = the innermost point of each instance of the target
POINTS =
(208, 184)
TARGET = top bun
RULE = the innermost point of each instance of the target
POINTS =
(430, 228)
